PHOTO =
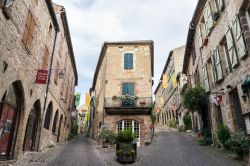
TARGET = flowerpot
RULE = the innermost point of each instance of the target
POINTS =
(126, 152)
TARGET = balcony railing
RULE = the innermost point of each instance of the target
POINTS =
(121, 105)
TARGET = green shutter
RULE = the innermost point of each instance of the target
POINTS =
(205, 77)
(231, 49)
(220, 4)
(238, 38)
(208, 18)
(199, 36)
(217, 65)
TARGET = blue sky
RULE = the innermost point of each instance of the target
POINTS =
(92, 22)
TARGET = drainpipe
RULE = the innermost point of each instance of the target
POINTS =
(47, 86)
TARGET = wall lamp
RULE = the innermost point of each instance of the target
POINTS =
(244, 97)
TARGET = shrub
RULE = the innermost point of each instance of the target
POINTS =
(238, 142)
(187, 121)
(223, 134)
(107, 136)
(181, 128)
(153, 118)
(50, 146)
(126, 135)
(205, 141)
(172, 123)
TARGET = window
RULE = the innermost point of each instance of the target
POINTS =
(128, 61)
(128, 89)
(229, 65)
(45, 59)
(56, 73)
(205, 78)
(238, 38)
(28, 31)
(48, 117)
(216, 61)
(231, 49)
(208, 18)
(55, 122)
(126, 124)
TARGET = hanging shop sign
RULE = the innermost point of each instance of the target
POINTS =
(41, 76)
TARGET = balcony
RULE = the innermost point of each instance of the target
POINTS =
(128, 106)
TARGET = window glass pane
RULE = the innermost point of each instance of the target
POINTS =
(128, 61)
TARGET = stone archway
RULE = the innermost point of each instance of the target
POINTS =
(11, 107)
(30, 139)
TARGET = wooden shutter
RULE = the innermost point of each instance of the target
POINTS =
(208, 18)
(239, 39)
(205, 78)
(45, 59)
(126, 61)
(130, 61)
(131, 89)
(217, 65)
(199, 36)
(28, 31)
(231, 49)
(220, 4)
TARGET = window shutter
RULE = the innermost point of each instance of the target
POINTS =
(220, 4)
(205, 78)
(231, 49)
(125, 61)
(199, 36)
(124, 89)
(217, 63)
(239, 39)
(131, 89)
(130, 61)
(26, 29)
(30, 34)
(45, 59)
(208, 18)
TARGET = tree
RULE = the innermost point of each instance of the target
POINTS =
(194, 99)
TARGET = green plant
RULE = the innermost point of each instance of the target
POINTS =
(194, 99)
(107, 136)
(50, 146)
(126, 135)
(187, 121)
(127, 99)
(223, 134)
(205, 141)
(153, 118)
(172, 123)
(238, 143)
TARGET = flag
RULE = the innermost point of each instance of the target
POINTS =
(165, 81)
(77, 99)
(87, 100)
(173, 80)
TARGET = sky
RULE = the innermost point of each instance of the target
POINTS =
(92, 22)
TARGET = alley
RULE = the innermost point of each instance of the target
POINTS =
(168, 148)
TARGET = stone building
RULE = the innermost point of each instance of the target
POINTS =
(122, 88)
(167, 95)
(217, 50)
(31, 33)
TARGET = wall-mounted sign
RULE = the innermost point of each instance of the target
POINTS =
(41, 76)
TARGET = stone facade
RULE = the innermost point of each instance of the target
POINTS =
(108, 81)
(219, 52)
(167, 98)
(19, 61)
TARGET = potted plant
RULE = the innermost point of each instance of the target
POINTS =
(128, 100)
(107, 137)
(126, 149)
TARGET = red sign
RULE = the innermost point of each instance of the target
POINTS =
(174, 107)
(41, 76)
(219, 98)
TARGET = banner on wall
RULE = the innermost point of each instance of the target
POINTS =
(77, 99)
(164, 81)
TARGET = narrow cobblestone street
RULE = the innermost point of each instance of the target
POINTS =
(169, 148)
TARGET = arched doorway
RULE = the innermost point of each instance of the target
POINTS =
(125, 124)
(59, 128)
(31, 128)
(48, 116)
(55, 122)
(10, 109)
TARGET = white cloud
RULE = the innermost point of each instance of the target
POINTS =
(92, 22)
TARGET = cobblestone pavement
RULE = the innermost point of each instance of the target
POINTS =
(169, 148)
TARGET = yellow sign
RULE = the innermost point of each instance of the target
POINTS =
(87, 100)
(165, 81)
(173, 80)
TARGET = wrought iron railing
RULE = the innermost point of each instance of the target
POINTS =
(120, 102)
